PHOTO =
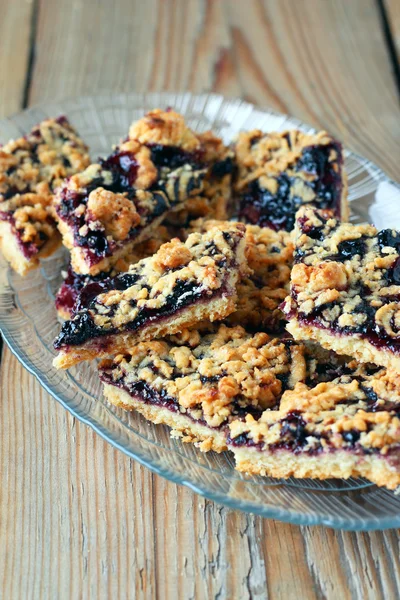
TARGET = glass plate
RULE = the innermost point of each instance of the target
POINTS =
(29, 324)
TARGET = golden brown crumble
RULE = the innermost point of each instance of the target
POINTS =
(116, 213)
(345, 281)
(39, 161)
(153, 288)
(164, 127)
(269, 255)
(212, 377)
(351, 411)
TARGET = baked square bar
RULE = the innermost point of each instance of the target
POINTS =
(115, 204)
(31, 168)
(197, 383)
(73, 283)
(182, 284)
(345, 288)
(260, 293)
(347, 427)
(278, 172)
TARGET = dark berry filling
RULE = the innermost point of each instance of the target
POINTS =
(143, 392)
(124, 167)
(174, 157)
(349, 248)
(121, 167)
(277, 210)
(82, 327)
(28, 249)
(389, 237)
(71, 287)
(222, 168)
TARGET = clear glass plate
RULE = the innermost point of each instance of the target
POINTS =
(29, 324)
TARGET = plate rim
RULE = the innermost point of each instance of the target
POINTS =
(267, 511)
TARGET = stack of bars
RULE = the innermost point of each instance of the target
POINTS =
(223, 288)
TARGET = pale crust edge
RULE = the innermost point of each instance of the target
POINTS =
(358, 348)
(182, 426)
(336, 465)
(12, 252)
(213, 310)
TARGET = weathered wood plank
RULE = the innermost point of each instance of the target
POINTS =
(15, 29)
(392, 8)
(80, 519)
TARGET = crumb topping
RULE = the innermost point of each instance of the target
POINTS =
(358, 412)
(269, 255)
(346, 278)
(115, 211)
(165, 127)
(39, 161)
(213, 378)
(278, 172)
(30, 170)
(178, 275)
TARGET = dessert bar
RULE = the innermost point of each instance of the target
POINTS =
(279, 172)
(31, 168)
(180, 285)
(260, 293)
(347, 427)
(115, 204)
(345, 288)
(198, 383)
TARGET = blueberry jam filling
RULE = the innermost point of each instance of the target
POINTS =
(277, 210)
(143, 391)
(174, 157)
(314, 160)
(393, 274)
(70, 288)
(124, 167)
(82, 327)
(349, 248)
(28, 249)
(368, 329)
(222, 168)
(388, 237)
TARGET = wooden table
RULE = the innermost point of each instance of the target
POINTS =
(77, 518)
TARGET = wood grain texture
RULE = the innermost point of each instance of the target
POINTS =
(15, 29)
(324, 62)
(79, 519)
(392, 8)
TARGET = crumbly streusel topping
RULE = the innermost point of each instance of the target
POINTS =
(269, 255)
(39, 161)
(178, 275)
(358, 412)
(74, 282)
(163, 167)
(346, 278)
(31, 168)
(278, 172)
(214, 377)
(165, 127)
